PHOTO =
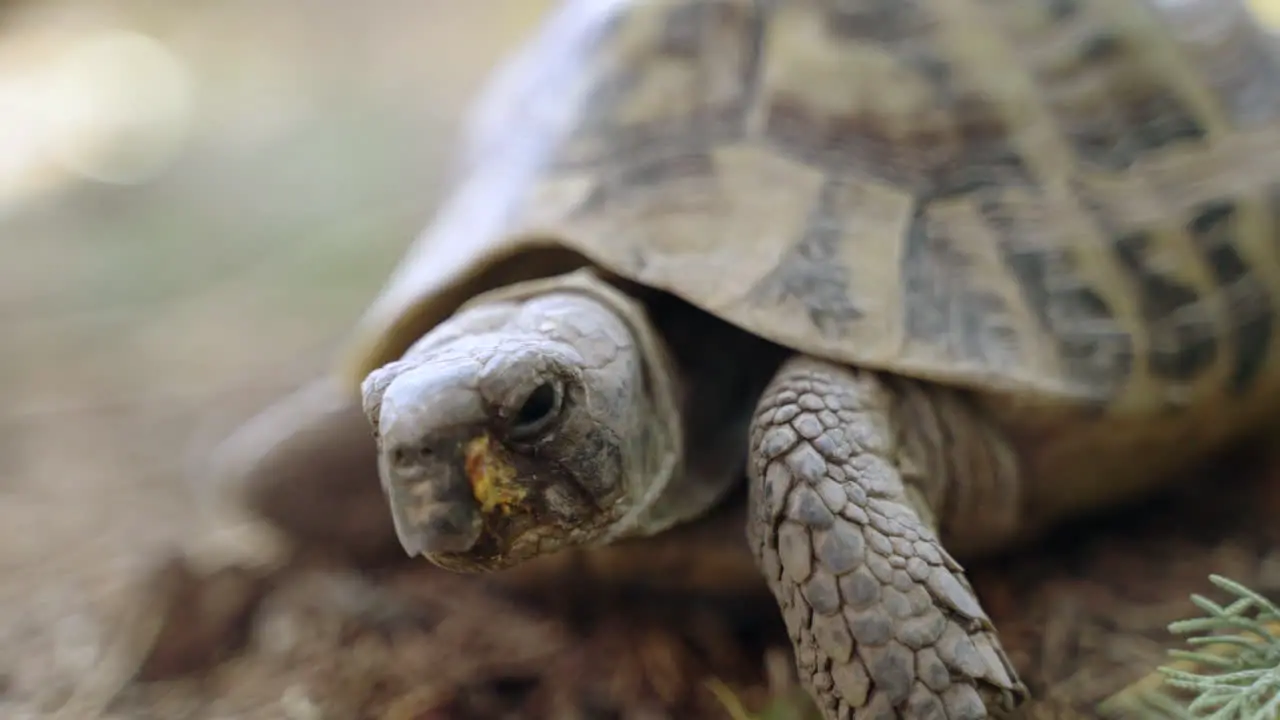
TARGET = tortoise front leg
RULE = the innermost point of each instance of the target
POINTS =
(308, 466)
(842, 523)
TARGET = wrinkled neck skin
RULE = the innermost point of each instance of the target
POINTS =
(539, 417)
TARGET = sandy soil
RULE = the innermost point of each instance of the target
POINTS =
(142, 321)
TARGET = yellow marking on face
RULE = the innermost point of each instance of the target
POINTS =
(493, 479)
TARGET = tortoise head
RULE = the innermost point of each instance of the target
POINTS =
(517, 428)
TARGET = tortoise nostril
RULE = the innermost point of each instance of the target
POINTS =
(408, 456)
(401, 456)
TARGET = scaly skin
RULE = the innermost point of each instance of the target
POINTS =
(884, 622)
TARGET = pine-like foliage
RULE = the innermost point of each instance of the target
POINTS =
(1233, 672)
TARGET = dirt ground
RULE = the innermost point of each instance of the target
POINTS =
(1083, 615)
(142, 320)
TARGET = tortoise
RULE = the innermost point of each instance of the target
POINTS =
(932, 276)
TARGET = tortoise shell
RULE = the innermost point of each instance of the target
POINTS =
(1071, 202)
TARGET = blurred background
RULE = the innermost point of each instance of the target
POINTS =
(196, 200)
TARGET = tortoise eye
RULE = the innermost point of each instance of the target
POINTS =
(539, 409)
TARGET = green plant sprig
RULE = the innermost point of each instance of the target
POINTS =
(1239, 655)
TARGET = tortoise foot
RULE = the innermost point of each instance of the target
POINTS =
(189, 620)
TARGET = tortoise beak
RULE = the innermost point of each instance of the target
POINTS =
(425, 420)
(427, 525)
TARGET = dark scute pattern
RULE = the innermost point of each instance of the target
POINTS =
(652, 171)
(697, 35)
(943, 306)
(1112, 109)
(812, 274)
(1249, 301)
(1182, 334)
(970, 150)
(970, 153)
(1071, 313)
(1062, 9)
(885, 21)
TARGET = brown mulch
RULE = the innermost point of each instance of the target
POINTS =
(1083, 615)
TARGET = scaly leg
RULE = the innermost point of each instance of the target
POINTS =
(307, 465)
(848, 475)
(307, 468)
